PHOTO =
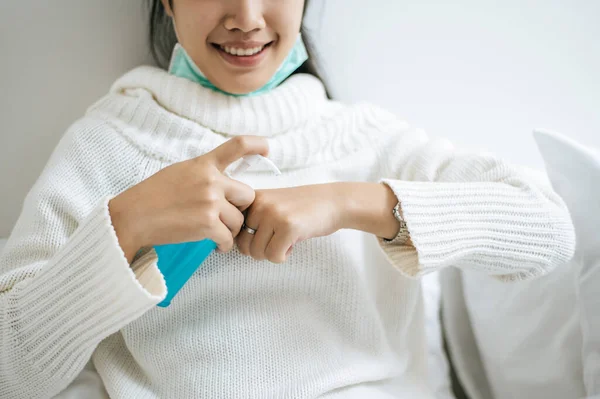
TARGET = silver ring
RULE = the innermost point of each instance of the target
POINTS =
(248, 230)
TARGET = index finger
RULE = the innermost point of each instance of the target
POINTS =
(238, 147)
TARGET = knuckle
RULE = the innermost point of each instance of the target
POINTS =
(272, 256)
(242, 245)
(266, 208)
(279, 211)
(199, 163)
(256, 252)
(239, 223)
(251, 195)
(280, 260)
(211, 217)
(288, 223)
(210, 179)
(242, 142)
(243, 249)
(199, 168)
(227, 243)
(211, 197)
(276, 258)
(258, 198)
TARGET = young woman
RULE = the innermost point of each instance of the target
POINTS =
(319, 296)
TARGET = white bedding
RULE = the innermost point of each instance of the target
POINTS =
(437, 361)
(87, 385)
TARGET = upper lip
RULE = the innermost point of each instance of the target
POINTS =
(243, 45)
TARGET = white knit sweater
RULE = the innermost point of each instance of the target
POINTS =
(340, 319)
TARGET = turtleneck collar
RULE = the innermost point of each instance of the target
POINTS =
(290, 105)
(174, 119)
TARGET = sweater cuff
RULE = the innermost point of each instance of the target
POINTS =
(497, 228)
(85, 293)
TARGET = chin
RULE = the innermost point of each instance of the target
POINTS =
(240, 91)
(242, 88)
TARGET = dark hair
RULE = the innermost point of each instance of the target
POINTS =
(163, 39)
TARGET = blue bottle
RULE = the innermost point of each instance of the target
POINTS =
(178, 262)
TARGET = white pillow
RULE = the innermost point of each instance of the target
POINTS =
(575, 174)
(540, 338)
(527, 334)
(88, 385)
(437, 363)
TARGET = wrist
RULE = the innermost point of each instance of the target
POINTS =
(368, 207)
(125, 228)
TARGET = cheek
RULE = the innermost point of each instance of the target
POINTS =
(191, 34)
(285, 18)
(286, 22)
(194, 25)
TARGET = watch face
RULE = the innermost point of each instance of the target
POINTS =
(396, 212)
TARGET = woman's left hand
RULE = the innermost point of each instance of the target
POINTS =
(283, 217)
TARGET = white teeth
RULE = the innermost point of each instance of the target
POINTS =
(241, 51)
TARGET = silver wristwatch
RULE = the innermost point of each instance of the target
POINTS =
(403, 235)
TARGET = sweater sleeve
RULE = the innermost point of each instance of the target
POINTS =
(474, 211)
(65, 283)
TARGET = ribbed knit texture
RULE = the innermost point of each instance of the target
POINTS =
(342, 318)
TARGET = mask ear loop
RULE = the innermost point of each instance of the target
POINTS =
(177, 45)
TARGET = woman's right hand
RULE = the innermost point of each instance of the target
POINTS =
(187, 201)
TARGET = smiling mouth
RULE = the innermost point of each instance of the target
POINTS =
(242, 52)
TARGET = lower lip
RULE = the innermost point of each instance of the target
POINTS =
(245, 61)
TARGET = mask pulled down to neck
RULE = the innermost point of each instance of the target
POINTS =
(183, 66)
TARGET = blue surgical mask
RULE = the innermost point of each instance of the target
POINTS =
(183, 66)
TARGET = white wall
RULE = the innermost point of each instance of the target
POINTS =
(57, 57)
(482, 73)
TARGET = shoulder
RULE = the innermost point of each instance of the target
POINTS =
(92, 159)
(368, 126)
(369, 118)
(90, 140)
